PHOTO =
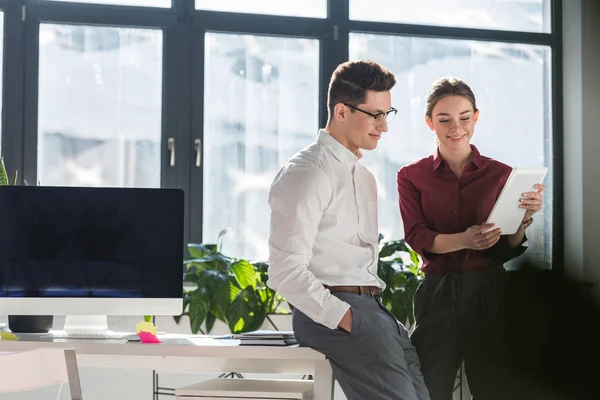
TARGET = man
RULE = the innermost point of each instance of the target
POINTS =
(324, 244)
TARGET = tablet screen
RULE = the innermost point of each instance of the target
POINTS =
(506, 214)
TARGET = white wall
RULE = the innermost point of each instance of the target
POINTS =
(581, 46)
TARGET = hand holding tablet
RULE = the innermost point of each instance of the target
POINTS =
(507, 213)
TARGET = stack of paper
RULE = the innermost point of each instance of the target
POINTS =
(267, 338)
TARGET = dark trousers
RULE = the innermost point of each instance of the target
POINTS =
(461, 317)
(376, 361)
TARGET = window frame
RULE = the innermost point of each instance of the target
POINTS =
(184, 28)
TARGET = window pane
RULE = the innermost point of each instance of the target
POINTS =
(99, 106)
(261, 106)
(292, 8)
(510, 15)
(511, 83)
(145, 3)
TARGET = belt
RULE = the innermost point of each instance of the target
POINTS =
(366, 290)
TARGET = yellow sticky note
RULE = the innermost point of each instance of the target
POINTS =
(145, 327)
(8, 336)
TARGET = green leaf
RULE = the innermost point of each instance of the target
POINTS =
(386, 251)
(210, 322)
(210, 261)
(246, 312)
(390, 248)
(177, 318)
(14, 178)
(3, 174)
(415, 258)
(414, 269)
(199, 304)
(399, 280)
(186, 301)
(199, 250)
(190, 276)
(234, 290)
(217, 285)
(245, 274)
(399, 307)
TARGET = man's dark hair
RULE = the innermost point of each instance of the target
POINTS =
(351, 81)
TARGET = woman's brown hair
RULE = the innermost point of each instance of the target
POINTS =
(447, 86)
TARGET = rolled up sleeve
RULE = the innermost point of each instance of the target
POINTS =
(416, 232)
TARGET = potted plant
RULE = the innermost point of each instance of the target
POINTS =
(234, 290)
(399, 267)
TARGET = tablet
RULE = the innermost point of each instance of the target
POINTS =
(506, 214)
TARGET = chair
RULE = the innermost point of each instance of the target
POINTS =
(40, 368)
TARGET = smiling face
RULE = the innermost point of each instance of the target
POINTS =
(453, 119)
(362, 131)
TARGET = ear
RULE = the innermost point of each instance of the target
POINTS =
(340, 112)
(475, 117)
(429, 123)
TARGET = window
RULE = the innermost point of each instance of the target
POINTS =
(511, 15)
(293, 8)
(144, 3)
(100, 97)
(261, 106)
(511, 85)
(108, 93)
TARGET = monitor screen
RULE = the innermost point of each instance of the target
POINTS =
(91, 242)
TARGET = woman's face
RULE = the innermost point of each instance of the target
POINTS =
(453, 119)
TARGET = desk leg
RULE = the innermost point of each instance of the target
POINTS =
(323, 380)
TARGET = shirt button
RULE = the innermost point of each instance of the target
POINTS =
(453, 211)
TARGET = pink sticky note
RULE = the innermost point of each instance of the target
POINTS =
(148, 337)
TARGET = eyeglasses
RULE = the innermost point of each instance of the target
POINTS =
(379, 117)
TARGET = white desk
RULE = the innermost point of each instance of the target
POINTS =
(202, 355)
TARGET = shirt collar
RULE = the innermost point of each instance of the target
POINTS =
(476, 158)
(338, 150)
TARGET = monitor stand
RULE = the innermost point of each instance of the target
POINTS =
(86, 324)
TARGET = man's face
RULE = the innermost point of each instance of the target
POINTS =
(362, 131)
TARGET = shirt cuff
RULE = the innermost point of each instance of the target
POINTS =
(426, 242)
(333, 312)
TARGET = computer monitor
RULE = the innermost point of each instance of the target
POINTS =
(91, 252)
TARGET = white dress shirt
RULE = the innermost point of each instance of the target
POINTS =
(324, 229)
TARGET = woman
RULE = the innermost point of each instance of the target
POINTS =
(444, 199)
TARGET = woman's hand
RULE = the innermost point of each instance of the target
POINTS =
(532, 201)
(476, 237)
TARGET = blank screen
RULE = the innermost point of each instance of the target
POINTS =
(91, 242)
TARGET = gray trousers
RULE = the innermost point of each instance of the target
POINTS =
(376, 361)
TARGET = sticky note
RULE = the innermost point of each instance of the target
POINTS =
(148, 337)
(146, 327)
(8, 336)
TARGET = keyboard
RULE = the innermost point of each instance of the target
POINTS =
(86, 336)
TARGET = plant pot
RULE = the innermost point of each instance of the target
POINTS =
(30, 323)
